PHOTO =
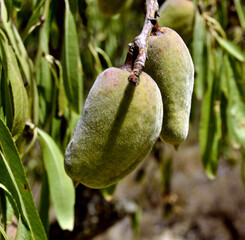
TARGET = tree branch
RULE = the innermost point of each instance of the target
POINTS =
(138, 49)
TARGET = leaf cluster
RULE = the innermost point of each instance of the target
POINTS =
(219, 58)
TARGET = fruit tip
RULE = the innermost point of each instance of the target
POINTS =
(75, 183)
(176, 147)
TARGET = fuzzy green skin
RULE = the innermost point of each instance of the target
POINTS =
(111, 7)
(169, 63)
(178, 15)
(119, 125)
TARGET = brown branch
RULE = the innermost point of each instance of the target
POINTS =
(138, 49)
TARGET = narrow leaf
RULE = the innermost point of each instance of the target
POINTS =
(71, 61)
(199, 40)
(44, 203)
(20, 100)
(34, 21)
(231, 48)
(105, 56)
(42, 108)
(12, 175)
(62, 99)
(9, 212)
(73, 6)
(22, 231)
(6, 99)
(45, 80)
(3, 233)
(72, 119)
(8, 4)
(135, 222)
(108, 192)
(61, 187)
(58, 78)
(97, 65)
(210, 126)
(17, 4)
(10, 199)
(35, 103)
(240, 12)
(16, 43)
(235, 109)
(3, 209)
(44, 75)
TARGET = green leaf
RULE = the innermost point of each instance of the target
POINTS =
(44, 75)
(42, 109)
(55, 131)
(223, 13)
(22, 231)
(61, 187)
(35, 103)
(135, 222)
(105, 56)
(235, 109)
(72, 118)
(6, 100)
(34, 21)
(19, 95)
(12, 175)
(71, 62)
(3, 233)
(45, 80)
(231, 48)
(73, 6)
(223, 79)
(24, 60)
(199, 56)
(240, 12)
(97, 65)
(10, 199)
(3, 209)
(8, 4)
(210, 123)
(17, 4)
(16, 43)
(9, 212)
(62, 99)
(108, 192)
(43, 208)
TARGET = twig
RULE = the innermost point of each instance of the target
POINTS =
(138, 49)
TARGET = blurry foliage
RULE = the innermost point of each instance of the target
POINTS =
(219, 83)
(50, 54)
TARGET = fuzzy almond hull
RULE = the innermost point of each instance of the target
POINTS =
(178, 15)
(169, 63)
(118, 127)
